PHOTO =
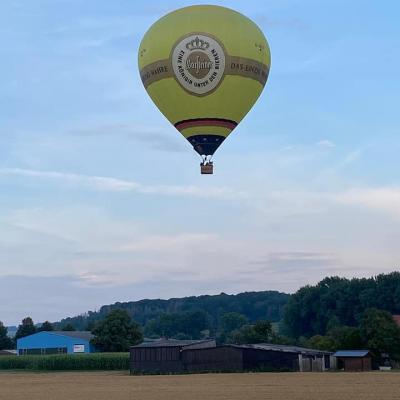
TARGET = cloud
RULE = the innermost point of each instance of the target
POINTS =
(153, 136)
(326, 144)
(384, 199)
(269, 202)
(170, 243)
(110, 184)
(297, 261)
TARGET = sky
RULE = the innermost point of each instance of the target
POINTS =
(101, 199)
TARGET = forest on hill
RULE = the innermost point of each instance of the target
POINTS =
(189, 316)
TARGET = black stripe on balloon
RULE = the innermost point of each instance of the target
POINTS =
(228, 123)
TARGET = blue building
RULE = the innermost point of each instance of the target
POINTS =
(56, 342)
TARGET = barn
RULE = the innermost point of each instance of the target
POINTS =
(172, 356)
(251, 357)
(353, 360)
(56, 342)
(163, 356)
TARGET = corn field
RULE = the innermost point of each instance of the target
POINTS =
(65, 362)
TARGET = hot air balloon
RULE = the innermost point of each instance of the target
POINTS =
(204, 67)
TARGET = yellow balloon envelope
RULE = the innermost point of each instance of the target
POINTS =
(204, 67)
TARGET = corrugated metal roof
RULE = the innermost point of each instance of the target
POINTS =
(351, 353)
(283, 348)
(85, 335)
(171, 343)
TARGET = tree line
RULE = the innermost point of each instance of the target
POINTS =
(118, 331)
(268, 305)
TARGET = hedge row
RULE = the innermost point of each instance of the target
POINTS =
(65, 362)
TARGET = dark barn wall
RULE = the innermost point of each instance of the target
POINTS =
(269, 359)
(238, 359)
(357, 364)
(156, 359)
(213, 359)
(221, 359)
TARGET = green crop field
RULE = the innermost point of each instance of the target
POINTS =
(64, 362)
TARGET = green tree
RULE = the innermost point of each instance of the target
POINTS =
(117, 332)
(189, 324)
(26, 328)
(346, 338)
(263, 329)
(335, 302)
(90, 326)
(5, 341)
(166, 325)
(380, 333)
(194, 323)
(321, 343)
(68, 327)
(231, 321)
(229, 325)
(46, 327)
(260, 332)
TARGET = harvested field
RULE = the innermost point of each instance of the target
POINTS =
(265, 386)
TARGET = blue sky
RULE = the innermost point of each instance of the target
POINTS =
(101, 200)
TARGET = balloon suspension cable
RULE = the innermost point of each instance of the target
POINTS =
(206, 166)
(206, 159)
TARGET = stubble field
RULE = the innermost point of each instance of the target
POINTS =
(265, 386)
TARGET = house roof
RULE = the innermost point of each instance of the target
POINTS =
(85, 335)
(172, 343)
(283, 348)
(351, 353)
(396, 319)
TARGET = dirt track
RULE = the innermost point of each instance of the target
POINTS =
(265, 386)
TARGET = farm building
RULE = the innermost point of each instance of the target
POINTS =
(56, 342)
(353, 360)
(194, 356)
(250, 357)
(163, 355)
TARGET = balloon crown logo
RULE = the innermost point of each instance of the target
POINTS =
(197, 44)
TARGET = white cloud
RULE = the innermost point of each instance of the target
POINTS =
(326, 144)
(384, 199)
(169, 243)
(151, 135)
(110, 184)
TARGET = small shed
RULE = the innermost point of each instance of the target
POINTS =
(353, 360)
(56, 342)
(163, 356)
